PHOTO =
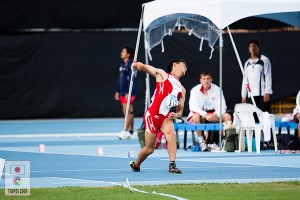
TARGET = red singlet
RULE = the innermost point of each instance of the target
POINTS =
(166, 96)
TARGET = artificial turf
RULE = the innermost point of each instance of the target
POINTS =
(232, 191)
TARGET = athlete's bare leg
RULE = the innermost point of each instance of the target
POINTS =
(130, 118)
(168, 129)
(150, 140)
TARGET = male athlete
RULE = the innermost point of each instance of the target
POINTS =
(168, 93)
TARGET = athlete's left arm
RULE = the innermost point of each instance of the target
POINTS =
(179, 108)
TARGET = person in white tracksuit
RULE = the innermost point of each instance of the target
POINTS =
(258, 72)
(204, 104)
(296, 113)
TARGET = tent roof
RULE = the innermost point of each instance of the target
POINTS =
(221, 12)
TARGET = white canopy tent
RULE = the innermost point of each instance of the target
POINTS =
(206, 19)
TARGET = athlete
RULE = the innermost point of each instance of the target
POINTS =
(168, 93)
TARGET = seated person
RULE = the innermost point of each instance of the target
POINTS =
(296, 113)
(204, 105)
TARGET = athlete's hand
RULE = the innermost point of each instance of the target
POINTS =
(136, 65)
(244, 100)
(117, 96)
(266, 97)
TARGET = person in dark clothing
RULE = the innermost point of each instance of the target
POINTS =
(123, 88)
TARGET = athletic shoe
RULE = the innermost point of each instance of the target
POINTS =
(173, 169)
(203, 146)
(133, 167)
(125, 135)
(214, 147)
(196, 148)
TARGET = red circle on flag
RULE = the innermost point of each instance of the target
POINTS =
(17, 169)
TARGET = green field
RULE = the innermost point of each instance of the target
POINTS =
(259, 191)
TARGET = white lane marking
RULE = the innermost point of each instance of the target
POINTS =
(84, 180)
(63, 135)
(67, 181)
(242, 180)
(154, 169)
(218, 160)
(58, 135)
(26, 151)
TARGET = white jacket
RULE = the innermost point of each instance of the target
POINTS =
(297, 109)
(259, 76)
(196, 101)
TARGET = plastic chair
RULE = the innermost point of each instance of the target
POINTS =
(273, 127)
(246, 121)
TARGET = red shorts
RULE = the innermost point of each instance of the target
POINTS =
(153, 122)
(123, 99)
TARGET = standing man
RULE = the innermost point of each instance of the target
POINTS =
(168, 93)
(296, 114)
(123, 88)
(204, 105)
(258, 71)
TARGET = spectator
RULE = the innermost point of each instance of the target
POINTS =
(204, 105)
(127, 54)
(258, 71)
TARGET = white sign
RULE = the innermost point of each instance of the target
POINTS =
(1, 166)
(17, 178)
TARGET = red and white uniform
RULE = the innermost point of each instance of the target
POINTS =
(166, 96)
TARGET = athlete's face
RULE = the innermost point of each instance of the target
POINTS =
(253, 49)
(181, 68)
(124, 54)
(206, 80)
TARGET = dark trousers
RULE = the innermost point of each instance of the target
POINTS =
(264, 106)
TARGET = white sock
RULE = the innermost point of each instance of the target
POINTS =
(201, 139)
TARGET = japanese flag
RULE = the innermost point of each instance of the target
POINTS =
(17, 169)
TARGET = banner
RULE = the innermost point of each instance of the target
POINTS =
(17, 178)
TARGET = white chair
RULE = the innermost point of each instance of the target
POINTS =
(246, 122)
(273, 127)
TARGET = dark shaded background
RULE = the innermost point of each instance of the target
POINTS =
(73, 74)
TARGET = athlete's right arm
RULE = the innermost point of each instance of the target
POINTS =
(159, 74)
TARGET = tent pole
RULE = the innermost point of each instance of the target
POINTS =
(147, 93)
(221, 83)
(241, 65)
(133, 73)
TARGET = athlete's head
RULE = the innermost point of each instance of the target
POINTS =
(127, 53)
(178, 67)
(253, 47)
(206, 79)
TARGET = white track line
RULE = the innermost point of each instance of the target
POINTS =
(63, 135)
(197, 181)
(237, 163)
(144, 169)
(3, 149)
(58, 135)
(84, 180)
